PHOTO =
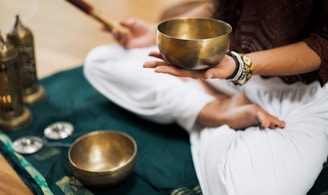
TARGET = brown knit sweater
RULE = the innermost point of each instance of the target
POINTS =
(265, 24)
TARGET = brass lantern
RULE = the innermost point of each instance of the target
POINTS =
(13, 113)
(22, 38)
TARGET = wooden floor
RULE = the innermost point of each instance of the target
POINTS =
(63, 35)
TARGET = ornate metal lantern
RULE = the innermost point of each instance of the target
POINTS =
(13, 113)
(22, 38)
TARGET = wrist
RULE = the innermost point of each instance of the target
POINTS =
(234, 61)
(243, 70)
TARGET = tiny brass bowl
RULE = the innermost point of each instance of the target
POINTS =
(102, 159)
(193, 43)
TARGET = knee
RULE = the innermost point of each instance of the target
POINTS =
(100, 62)
(95, 59)
(91, 63)
(90, 70)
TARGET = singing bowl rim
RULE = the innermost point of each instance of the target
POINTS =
(227, 25)
(131, 159)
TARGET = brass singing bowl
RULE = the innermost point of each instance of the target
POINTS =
(102, 158)
(193, 43)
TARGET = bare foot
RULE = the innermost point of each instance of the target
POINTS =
(237, 112)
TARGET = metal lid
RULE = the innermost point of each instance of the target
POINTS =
(19, 31)
(58, 130)
(27, 144)
(7, 51)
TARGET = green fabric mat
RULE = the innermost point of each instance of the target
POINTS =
(164, 162)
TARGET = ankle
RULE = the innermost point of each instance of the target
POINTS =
(210, 115)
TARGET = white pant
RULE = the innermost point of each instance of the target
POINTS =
(251, 162)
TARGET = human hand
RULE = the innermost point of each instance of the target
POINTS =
(139, 34)
(222, 70)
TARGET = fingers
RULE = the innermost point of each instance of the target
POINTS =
(164, 67)
(129, 23)
(122, 37)
(154, 64)
(156, 55)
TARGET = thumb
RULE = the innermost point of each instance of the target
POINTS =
(216, 72)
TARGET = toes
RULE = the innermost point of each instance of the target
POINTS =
(275, 123)
(263, 122)
(266, 120)
(260, 125)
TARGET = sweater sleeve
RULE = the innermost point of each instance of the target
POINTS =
(318, 40)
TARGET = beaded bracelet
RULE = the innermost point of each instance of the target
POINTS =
(244, 68)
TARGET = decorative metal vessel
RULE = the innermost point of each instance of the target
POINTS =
(13, 113)
(103, 158)
(193, 43)
(22, 38)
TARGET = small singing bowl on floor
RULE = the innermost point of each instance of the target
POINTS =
(193, 43)
(102, 159)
